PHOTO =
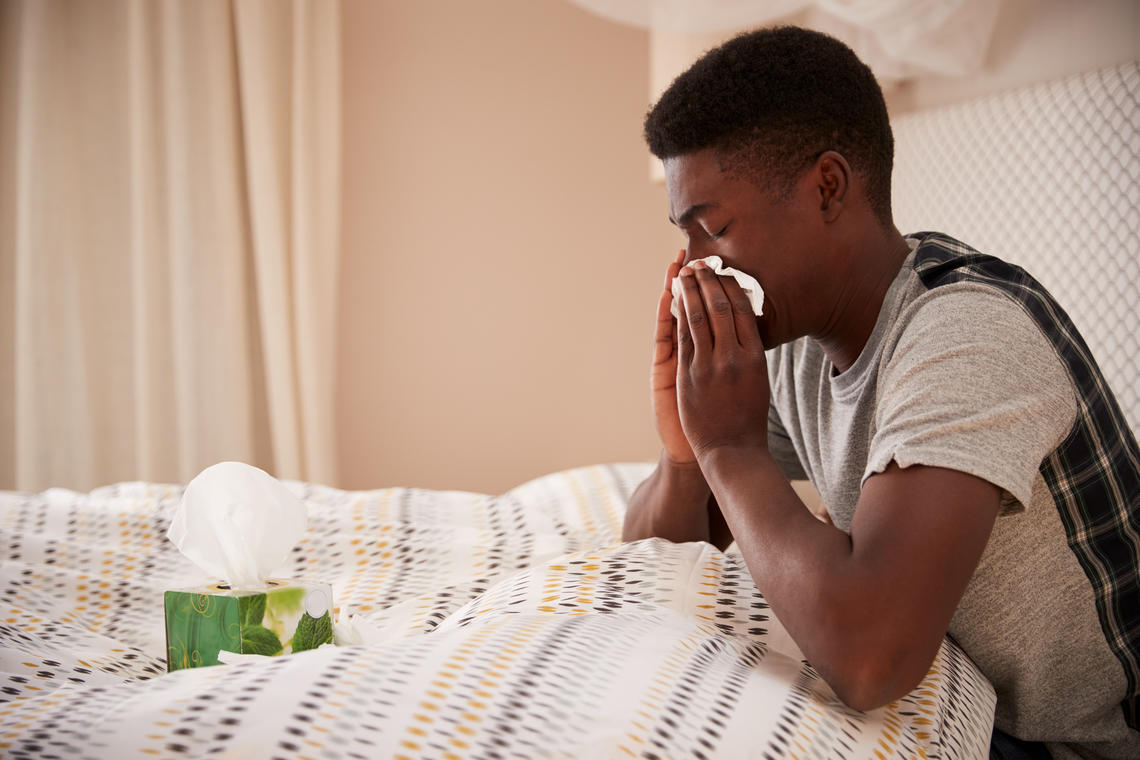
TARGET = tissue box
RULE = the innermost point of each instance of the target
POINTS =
(282, 617)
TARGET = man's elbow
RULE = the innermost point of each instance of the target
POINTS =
(869, 693)
(869, 680)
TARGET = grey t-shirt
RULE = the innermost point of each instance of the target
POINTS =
(959, 376)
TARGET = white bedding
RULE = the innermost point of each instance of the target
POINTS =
(511, 626)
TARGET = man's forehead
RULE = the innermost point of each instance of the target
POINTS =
(694, 182)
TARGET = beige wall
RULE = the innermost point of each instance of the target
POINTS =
(502, 247)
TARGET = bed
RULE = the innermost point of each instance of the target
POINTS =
(503, 626)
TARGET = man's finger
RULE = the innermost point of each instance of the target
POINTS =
(664, 331)
(673, 268)
(745, 318)
(664, 337)
(684, 341)
(718, 306)
(696, 318)
(671, 272)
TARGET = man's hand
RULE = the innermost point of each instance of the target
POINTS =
(674, 501)
(722, 374)
(663, 376)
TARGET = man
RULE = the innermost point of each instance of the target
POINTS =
(979, 475)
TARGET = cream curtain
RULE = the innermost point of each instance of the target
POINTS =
(169, 176)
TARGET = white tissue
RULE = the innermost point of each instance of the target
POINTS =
(237, 523)
(349, 629)
(747, 282)
(226, 657)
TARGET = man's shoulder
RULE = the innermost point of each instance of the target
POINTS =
(965, 311)
(940, 260)
(952, 275)
(969, 319)
(946, 266)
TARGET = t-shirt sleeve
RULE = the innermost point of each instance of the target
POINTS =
(972, 384)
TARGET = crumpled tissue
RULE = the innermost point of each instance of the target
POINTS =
(747, 282)
(350, 629)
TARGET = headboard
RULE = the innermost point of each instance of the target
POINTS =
(1046, 177)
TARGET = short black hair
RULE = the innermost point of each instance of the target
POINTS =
(770, 102)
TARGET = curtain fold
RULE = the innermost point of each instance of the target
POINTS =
(171, 174)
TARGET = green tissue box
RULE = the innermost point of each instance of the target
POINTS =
(282, 617)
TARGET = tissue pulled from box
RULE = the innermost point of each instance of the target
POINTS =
(350, 629)
(237, 523)
(747, 283)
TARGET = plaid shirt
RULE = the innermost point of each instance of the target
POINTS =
(1094, 474)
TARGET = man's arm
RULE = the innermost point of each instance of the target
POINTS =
(670, 503)
(675, 503)
(868, 609)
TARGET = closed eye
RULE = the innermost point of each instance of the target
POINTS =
(718, 234)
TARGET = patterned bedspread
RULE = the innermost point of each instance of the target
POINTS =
(507, 626)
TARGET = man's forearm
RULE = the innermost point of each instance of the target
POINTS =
(799, 563)
(672, 503)
(765, 513)
(805, 569)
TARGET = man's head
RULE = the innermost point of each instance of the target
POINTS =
(769, 103)
(777, 153)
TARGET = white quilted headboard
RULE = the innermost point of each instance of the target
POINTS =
(1046, 177)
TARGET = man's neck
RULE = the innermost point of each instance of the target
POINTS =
(873, 262)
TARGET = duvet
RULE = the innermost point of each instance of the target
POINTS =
(508, 626)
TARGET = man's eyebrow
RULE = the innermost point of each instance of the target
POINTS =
(692, 211)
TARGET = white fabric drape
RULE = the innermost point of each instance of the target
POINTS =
(169, 177)
(898, 39)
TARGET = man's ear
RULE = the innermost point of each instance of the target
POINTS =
(833, 175)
